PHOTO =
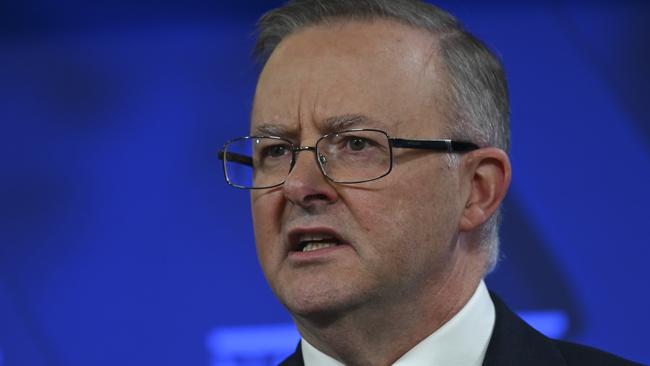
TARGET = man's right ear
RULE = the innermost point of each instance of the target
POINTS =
(487, 172)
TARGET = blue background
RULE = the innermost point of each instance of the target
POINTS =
(120, 244)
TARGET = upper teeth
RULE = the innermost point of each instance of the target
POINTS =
(317, 241)
(315, 237)
(315, 246)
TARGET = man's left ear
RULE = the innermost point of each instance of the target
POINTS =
(486, 175)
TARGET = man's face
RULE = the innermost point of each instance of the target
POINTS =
(395, 237)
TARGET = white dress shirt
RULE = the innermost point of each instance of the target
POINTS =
(462, 341)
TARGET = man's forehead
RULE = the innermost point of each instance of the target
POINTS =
(347, 75)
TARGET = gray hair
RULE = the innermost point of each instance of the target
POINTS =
(478, 100)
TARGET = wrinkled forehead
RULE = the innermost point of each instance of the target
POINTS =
(384, 71)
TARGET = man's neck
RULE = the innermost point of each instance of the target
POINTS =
(381, 333)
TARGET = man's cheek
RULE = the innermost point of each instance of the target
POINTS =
(266, 212)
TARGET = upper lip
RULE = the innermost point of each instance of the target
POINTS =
(297, 235)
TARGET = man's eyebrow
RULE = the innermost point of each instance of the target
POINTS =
(328, 125)
(269, 129)
(348, 121)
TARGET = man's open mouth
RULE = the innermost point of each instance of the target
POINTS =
(311, 241)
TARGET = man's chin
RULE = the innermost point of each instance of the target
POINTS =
(321, 307)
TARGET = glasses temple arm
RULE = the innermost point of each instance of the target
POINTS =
(236, 158)
(436, 145)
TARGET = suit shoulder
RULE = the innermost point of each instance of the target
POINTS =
(577, 354)
(295, 359)
(516, 343)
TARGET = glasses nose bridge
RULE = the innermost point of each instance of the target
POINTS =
(299, 149)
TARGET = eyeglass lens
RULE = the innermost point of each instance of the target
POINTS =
(344, 157)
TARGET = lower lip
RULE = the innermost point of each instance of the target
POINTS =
(316, 255)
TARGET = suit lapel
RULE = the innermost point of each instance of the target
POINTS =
(515, 343)
(295, 359)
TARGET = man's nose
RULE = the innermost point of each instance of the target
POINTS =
(306, 185)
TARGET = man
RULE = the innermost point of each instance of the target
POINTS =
(377, 165)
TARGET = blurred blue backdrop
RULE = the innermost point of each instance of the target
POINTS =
(120, 244)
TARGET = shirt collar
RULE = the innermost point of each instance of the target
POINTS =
(463, 340)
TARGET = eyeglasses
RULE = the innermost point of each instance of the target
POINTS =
(348, 157)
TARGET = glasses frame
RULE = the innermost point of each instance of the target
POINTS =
(439, 145)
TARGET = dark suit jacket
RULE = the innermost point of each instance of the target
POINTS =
(515, 343)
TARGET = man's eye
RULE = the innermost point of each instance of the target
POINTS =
(275, 151)
(357, 143)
